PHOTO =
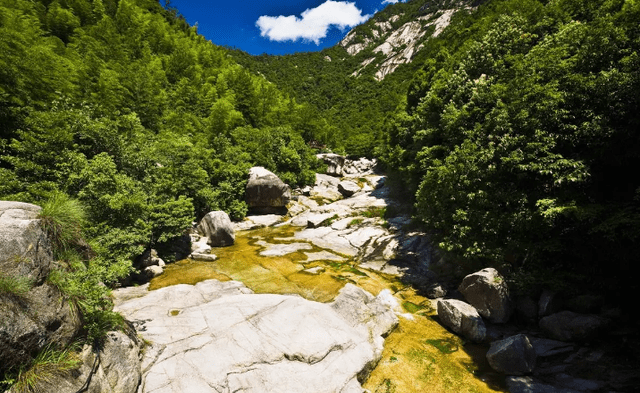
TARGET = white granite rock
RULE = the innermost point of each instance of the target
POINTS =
(218, 337)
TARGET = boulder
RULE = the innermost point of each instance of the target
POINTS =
(38, 315)
(487, 291)
(113, 369)
(265, 192)
(335, 163)
(571, 326)
(348, 188)
(217, 227)
(360, 166)
(512, 356)
(219, 336)
(462, 318)
(153, 271)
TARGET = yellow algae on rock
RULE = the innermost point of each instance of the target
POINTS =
(422, 356)
(419, 356)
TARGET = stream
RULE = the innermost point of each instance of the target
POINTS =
(419, 355)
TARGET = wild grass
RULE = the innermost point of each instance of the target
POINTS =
(62, 218)
(50, 364)
(15, 285)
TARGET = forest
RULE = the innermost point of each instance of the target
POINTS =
(514, 133)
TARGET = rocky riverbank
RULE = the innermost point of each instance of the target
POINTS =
(284, 302)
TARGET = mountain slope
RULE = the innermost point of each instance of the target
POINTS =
(359, 83)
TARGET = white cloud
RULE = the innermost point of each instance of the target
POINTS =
(392, 1)
(314, 24)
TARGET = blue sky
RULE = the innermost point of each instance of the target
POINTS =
(278, 26)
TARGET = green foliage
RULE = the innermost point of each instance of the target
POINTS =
(15, 285)
(514, 142)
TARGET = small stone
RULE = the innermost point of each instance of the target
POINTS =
(153, 271)
(203, 257)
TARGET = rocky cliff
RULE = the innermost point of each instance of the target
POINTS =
(33, 313)
(394, 36)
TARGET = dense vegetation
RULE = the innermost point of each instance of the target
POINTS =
(126, 126)
(347, 107)
(123, 106)
(515, 131)
(520, 135)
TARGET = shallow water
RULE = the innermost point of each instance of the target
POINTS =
(419, 356)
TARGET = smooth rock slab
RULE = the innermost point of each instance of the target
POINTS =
(278, 250)
(218, 337)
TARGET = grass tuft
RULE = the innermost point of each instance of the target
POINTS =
(15, 285)
(44, 369)
(62, 218)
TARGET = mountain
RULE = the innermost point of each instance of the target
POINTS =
(356, 86)
(512, 125)
(397, 34)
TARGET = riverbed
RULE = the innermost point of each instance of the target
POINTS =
(419, 356)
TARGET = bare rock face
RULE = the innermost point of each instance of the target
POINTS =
(217, 227)
(30, 319)
(348, 188)
(487, 291)
(114, 369)
(220, 337)
(24, 248)
(265, 192)
(335, 163)
(512, 356)
(462, 319)
(571, 326)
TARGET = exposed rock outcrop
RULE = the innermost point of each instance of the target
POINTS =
(115, 368)
(400, 44)
(218, 336)
(335, 163)
(39, 315)
(265, 192)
